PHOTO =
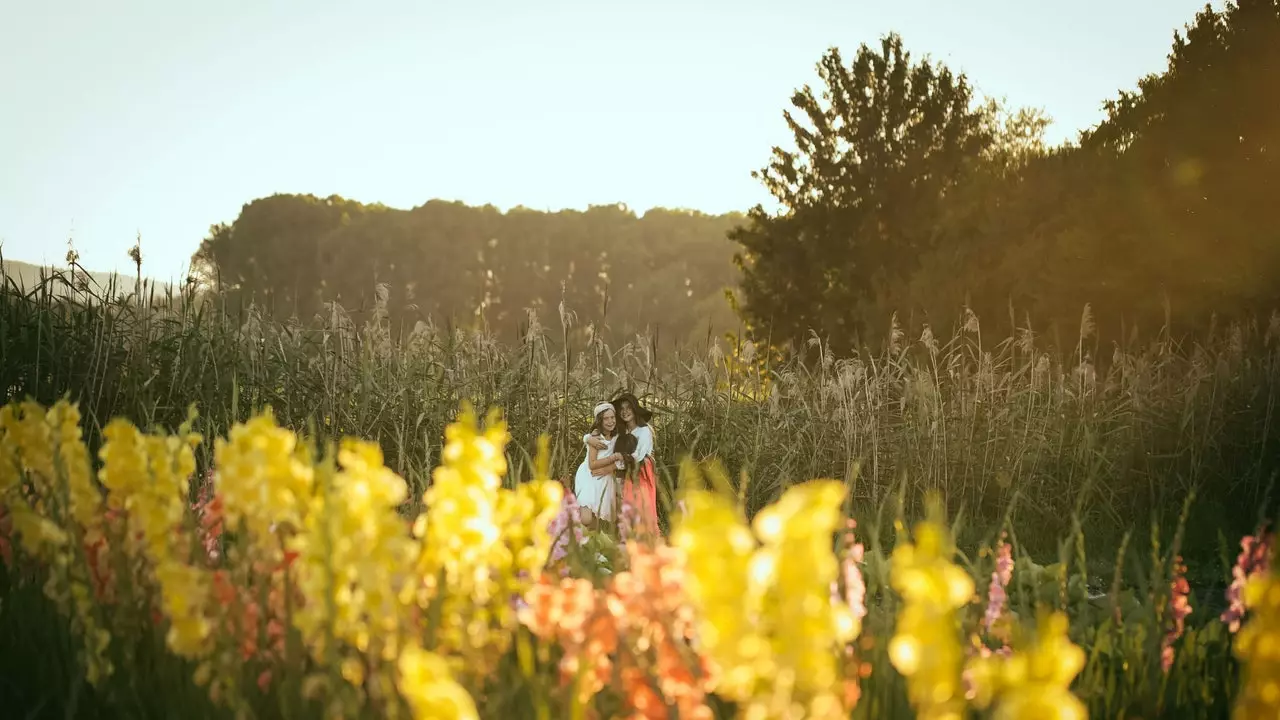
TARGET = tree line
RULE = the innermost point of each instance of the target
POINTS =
(604, 271)
(906, 199)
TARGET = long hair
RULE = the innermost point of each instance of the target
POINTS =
(626, 446)
(643, 415)
(598, 426)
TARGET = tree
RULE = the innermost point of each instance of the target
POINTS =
(273, 250)
(663, 273)
(881, 147)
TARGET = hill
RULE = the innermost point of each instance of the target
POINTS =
(28, 276)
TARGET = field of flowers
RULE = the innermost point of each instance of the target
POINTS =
(996, 530)
(295, 586)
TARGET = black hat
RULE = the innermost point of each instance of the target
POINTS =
(643, 415)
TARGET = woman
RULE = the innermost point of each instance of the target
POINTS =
(594, 482)
(642, 491)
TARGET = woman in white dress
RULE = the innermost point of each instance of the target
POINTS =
(595, 484)
(640, 489)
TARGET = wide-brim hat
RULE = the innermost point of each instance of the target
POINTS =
(643, 414)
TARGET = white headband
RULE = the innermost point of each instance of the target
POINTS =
(601, 408)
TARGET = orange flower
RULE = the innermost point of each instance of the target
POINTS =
(640, 624)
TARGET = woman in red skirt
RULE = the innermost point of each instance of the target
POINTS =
(641, 489)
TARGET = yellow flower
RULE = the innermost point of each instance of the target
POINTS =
(801, 525)
(524, 518)
(86, 510)
(184, 595)
(34, 441)
(426, 684)
(21, 440)
(766, 618)
(264, 478)
(461, 530)
(47, 449)
(1256, 647)
(481, 544)
(718, 548)
(10, 472)
(925, 648)
(355, 560)
(148, 476)
(1035, 684)
(124, 463)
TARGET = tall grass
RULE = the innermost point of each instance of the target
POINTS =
(1101, 474)
(1009, 425)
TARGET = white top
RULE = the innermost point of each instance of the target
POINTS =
(644, 444)
(608, 450)
(596, 492)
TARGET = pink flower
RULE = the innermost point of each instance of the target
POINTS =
(1000, 578)
(567, 523)
(1180, 608)
(628, 518)
(208, 510)
(855, 589)
(1254, 558)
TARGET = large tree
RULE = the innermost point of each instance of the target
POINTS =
(877, 150)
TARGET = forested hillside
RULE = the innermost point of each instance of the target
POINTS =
(665, 272)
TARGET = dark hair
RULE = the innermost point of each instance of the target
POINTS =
(626, 446)
(597, 427)
(643, 415)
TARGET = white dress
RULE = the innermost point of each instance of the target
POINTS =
(644, 445)
(596, 491)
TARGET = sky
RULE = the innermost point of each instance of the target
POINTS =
(161, 118)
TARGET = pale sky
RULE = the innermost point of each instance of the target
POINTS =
(165, 117)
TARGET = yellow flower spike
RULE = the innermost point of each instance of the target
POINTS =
(925, 648)
(39, 535)
(85, 499)
(37, 532)
(355, 560)
(807, 508)
(148, 475)
(1032, 684)
(124, 463)
(807, 625)
(9, 473)
(85, 510)
(718, 547)
(264, 479)
(1255, 646)
(22, 442)
(184, 595)
(476, 536)
(427, 685)
(766, 623)
(34, 440)
(1056, 660)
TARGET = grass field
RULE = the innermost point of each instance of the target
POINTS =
(1109, 485)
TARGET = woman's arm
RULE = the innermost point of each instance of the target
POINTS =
(598, 463)
(593, 440)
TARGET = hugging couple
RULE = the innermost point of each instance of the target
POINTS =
(618, 469)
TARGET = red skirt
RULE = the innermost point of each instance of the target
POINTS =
(642, 494)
